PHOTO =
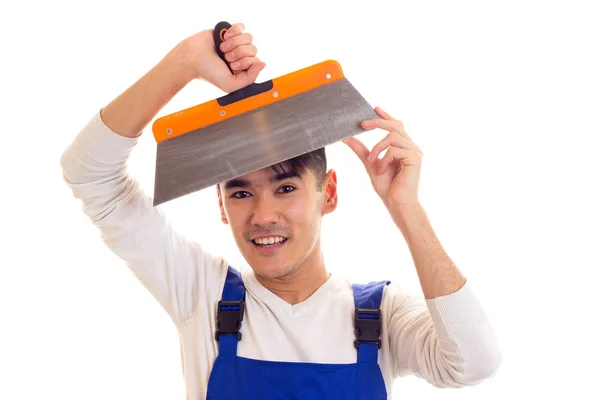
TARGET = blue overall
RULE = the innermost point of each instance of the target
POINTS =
(234, 377)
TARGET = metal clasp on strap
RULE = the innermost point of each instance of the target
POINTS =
(367, 326)
(229, 318)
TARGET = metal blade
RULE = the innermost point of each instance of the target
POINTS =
(258, 139)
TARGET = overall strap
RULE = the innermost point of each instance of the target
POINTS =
(230, 313)
(367, 319)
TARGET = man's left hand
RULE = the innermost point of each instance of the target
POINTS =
(395, 176)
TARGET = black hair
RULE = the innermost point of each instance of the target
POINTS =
(315, 161)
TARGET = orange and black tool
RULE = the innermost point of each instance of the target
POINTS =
(254, 127)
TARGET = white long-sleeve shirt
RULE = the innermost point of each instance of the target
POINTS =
(447, 341)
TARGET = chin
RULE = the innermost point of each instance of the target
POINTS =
(272, 262)
(268, 270)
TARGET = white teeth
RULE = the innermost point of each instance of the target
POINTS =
(269, 240)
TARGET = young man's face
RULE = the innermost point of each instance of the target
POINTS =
(276, 218)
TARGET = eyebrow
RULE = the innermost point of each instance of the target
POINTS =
(244, 183)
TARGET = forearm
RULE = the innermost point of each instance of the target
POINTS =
(452, 342)
(438, 275)
(94, 168)
(132, 110)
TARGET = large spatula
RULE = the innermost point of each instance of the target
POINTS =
(255, 127)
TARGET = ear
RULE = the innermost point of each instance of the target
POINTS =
(221, 208)
(330, 192)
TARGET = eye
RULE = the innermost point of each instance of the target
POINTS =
(287, 188)
(240, 194)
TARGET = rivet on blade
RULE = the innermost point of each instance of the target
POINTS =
(222, 112)
(275, 94)
(169, 131)
(328, 76)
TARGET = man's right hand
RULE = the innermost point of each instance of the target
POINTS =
(192, 58)
(240, 52)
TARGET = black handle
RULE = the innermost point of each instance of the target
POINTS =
(218, 33)
(251, 90)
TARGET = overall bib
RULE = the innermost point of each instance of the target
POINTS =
(234, 377)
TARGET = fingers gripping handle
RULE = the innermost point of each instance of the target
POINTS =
(218, 36)
(252, 89)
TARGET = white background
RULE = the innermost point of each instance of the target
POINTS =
(503, 97)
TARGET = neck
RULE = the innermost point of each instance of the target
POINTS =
(299, 284)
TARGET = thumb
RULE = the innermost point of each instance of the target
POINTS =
(247, 77)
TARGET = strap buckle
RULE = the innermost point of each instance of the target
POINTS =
(367, 326)
(229, 318)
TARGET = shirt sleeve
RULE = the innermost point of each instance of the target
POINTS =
(173, 269)
(448, 341)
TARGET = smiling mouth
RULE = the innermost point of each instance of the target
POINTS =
(271, 241)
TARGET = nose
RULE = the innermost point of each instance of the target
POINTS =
(264, 212)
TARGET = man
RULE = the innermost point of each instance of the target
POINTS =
(287, 326)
